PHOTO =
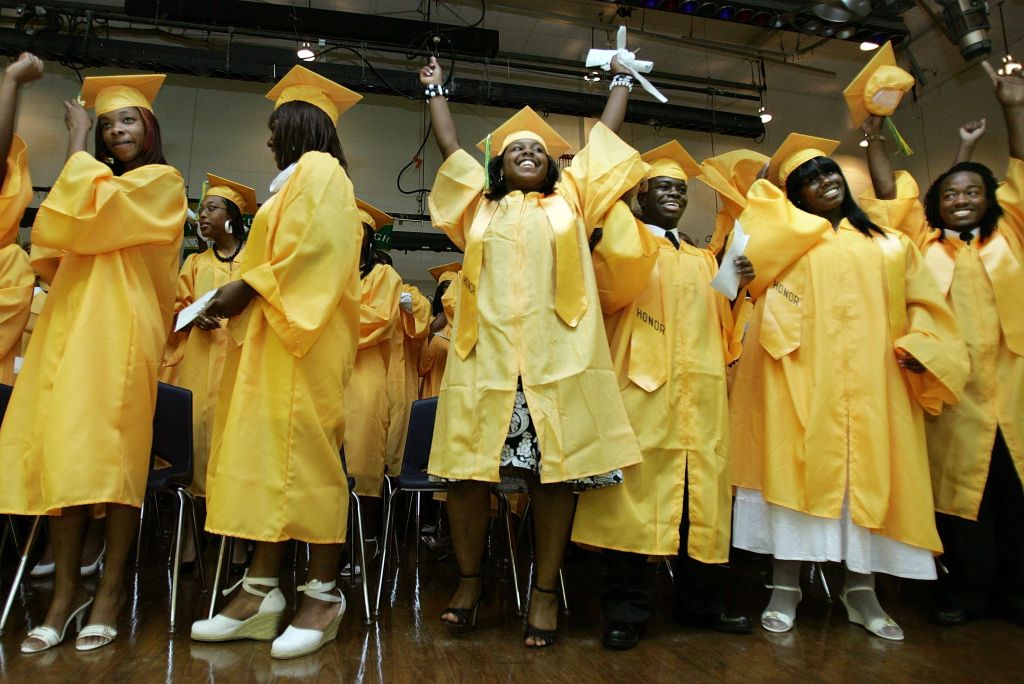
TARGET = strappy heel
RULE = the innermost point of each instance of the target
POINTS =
(776, 621)
(297, 641)
(547, 637)
(464, 617)
(49, 636)
(261, 627)
(884, 627)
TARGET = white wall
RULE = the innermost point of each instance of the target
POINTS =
(220, 126)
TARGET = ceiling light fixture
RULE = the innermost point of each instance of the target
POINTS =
(305, 52)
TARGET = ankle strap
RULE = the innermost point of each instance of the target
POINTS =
(545, 591)
(476, 576)
(248, 584)
(319, 590)
(782, 587)
(847, 590)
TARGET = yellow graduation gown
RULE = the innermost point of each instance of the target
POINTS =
(275, 469)
(367, 412)
(434, 355)
(17, 280)
(194, 358)
(679, 411)
(403, 373)
(819, 404)
(38, 301)
(79, 427)
(983, 283)
(566, 370)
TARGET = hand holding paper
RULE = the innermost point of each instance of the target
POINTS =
(628, 60)
(727, 280)
(189, 313)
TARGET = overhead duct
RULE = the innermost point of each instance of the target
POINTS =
(260, 63)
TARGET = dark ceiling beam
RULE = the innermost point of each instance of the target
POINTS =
(266, 64)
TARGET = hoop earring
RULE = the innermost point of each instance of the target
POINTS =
(110, 161)
(227, 227)
(501, 176)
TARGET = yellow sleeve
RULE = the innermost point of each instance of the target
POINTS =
(457, 192)
(174, 351)
(903, 213)
(933, 338)
(17, 283)
(730, 175)
(312, 252)
(16, 191)
(450, 301)
(599, 175)
(733, 317)
(92, 211)
(378, 308)
(417, 322)
(427, 355)
(623, 258)
(45, 261)
(779, 233)
(1010, 196)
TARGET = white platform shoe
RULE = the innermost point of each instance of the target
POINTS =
(296, 641)
(262, 626)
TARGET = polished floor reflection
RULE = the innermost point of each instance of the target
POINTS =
(408, 643)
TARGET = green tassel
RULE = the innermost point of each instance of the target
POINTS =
(901, 144)
(487, 161)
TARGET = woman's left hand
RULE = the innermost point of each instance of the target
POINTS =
(230, 300)
(745, 269)
(906, 360)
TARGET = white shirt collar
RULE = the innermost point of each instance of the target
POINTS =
(282, 178)
(660, 232)
(947, 233)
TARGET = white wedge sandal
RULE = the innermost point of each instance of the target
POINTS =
(296, 641)
(261, 627)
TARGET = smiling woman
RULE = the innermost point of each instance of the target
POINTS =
(129, 138)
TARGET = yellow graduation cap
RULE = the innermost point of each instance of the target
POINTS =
(110, 93)
(796, 149)
(372, 216)
(243, 196)
(671, 160)
(878, 88)
(445, 271)
(301, 84)
(525, 124)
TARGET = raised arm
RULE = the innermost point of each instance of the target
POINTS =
(970, 133)
(1010, 93)
(615, 108)
(445, 133)
(879, 166)
(79, 123)
(25, 69)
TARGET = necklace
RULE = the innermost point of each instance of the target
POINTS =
(231, 257)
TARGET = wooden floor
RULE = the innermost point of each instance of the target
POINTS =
(408, 644)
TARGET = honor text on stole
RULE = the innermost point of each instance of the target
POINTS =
(650, 320)
(792, 297)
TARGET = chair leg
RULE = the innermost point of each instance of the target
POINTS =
(565, 594)
(510, 535)
(416, 526)
(156, 510)
(388, 524)
(216, 575)
(138, 534)
(671, 572)
(364, 569)
(816, 567)
(179, 531)
(20, 572)
(195, 535)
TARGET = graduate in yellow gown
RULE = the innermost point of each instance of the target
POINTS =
(367, 409)
(194, 357)
(434, 357)
(671, 338)
(850, 342)
(407, 342)
(972, 237)
(17, 280)
(79, 427)
(531, 380)
(275, 469)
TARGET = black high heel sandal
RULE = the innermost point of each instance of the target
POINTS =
(547, 636)
(464, 617)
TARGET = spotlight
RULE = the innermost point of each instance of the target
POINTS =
(845, 32)
(726, 12)
(762, 19)
(840, 11)
(868, 46)
(689, 7)
(967, 25)
(707, 9)
(305, 53)
(764, 114)
(863, 143)
(1010, 66)
(744, 15)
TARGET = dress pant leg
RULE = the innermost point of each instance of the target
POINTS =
(1008, 502)
(969, 554)
(628, 594)
(698, 587)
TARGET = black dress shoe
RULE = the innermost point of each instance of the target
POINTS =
(720, 622)
(948, 616)
(621, 636)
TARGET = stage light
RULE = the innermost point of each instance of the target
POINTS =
(707, 9)
(689, 7)
(1010, 66)
(864, 142)
(846, 32)
(744, 15)
(967, 24)
(764, 114)
(725, 13)
(762, 19)
(305, 53)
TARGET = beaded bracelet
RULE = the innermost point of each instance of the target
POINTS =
(880, 138)
(434, 90)
(621, 80)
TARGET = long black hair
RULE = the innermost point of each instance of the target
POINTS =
(299, 127)
(497, 178)
(235, 216)
(808, 171)
(993, 212)
(369, 256)
(437, 306)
